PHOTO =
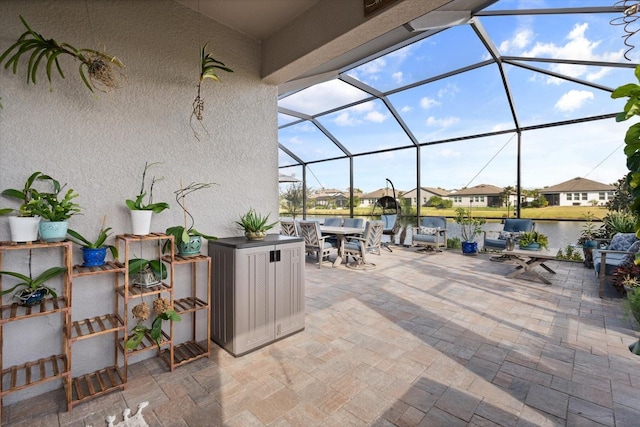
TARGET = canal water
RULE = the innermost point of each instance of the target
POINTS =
(560, 233)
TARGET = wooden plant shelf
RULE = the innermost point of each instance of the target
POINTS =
(32, 373)
(139, 291)
(178, 259)
(96, 384)
(146, 344)
(185, 352)
(189, 304)
(14, 311)
(95, 326)
(107, 267)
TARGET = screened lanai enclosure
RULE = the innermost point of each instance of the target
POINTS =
(504, 93)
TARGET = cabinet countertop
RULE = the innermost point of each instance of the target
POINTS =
(242, 242)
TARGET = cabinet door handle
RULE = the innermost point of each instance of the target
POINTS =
(274, 256)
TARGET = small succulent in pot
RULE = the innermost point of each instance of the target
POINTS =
(255, 225)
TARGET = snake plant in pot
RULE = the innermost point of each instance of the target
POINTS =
(187, 239)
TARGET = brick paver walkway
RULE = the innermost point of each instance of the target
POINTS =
(422, 340)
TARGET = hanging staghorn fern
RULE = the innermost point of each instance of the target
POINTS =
(208, 67)
(96, 68)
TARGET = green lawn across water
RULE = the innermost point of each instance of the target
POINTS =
(550, 212)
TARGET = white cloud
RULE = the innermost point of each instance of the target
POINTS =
(449, 89)
(521, 39)
(573, 100)
(444, 122)
(427, 103)
(448, 152)
(322, 97)
(364, 107)
(397, 77)
(376, 117)
(345, 119)
(406, 109)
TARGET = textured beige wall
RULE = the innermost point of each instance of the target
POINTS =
(98, 144)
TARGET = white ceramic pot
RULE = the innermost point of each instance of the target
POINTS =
(141, 222)
(23, 228)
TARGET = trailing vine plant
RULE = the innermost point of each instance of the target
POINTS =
(632, 143)
(97, 69)
(208, 67)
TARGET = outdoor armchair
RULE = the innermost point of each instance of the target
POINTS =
(359, 247)
(315, 242)
(288, 227)
(432, 233)
(621, 250)
(497, 240)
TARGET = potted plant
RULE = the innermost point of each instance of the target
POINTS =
(32, 290)
(470, 227)
(533, 241)
(146, 273)
(23, 226)
(255, 225)
(55, 211)
(632, 306)
(163, 310)
(141, 210)
(587, 236)
(187, 239)
(94, 252)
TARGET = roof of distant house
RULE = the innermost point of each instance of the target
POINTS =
(381, 192)
(478, 190)
(433, 190)
(577, 184)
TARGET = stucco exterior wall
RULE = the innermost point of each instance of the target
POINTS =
(98, 143)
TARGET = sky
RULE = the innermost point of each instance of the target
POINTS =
(472, 103)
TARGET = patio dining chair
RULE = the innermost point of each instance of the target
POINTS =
(288, 227)
(333, 222)
(431, 234)
(353, 222)
(314, 242)
(370, 242)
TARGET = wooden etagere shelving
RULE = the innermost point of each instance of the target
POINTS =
(87, 386)
(194, 302)
(47, 368)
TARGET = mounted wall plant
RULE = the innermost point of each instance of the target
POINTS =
(96, 68)
(208, 67)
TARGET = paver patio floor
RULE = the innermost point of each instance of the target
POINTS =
(421, 340)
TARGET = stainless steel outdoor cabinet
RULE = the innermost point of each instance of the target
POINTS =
(257, 291)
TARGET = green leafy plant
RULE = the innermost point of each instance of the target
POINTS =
(96, 68)
(208, 70)
(33, 284)
(529, 237)
(137, 265)
(469, 227)
(24, 195)
(632, 142)
(139, 203)
(103, 234)
(163, 311)
(570, 254)
(181, 233)
(618, 222)
(50, 207)
(454, 243)
(254, 222)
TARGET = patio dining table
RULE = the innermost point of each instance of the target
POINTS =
(527, 261)
(341, 233)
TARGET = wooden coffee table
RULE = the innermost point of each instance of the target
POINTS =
(527, 261)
